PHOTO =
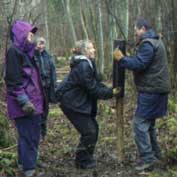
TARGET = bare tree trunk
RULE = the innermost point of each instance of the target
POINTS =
(21, 9)
(126, 25)
(82, 20)
(46, 24)
(112, 31)
(159, 15)
(9, 12)
(9, 9)
(91, 18)
(100, 38)
(66, 5)
(174, 61)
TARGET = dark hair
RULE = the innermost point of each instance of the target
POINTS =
(141, 21)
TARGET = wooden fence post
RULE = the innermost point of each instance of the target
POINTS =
(119, 81)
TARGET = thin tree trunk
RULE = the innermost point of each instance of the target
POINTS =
(126, 18)
(46, 24)
(9, 12)
(66, 5)
(82, 20)
(100, 38)
(159, 15)
(112, 31)
(174, 61)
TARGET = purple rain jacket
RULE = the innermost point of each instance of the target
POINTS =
(22, 78)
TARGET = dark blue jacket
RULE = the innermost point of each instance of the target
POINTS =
(81, 88)
(48, 73)
(144, 55)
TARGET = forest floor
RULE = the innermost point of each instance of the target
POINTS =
(57, 151)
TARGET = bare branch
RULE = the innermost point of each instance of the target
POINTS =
(115, 17)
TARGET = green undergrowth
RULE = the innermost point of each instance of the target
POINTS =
(7, 145)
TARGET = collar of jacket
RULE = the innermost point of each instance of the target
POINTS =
(83, 57)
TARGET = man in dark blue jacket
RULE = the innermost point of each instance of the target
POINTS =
(153, 85)
(48, 77)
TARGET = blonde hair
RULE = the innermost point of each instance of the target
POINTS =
(81, 47)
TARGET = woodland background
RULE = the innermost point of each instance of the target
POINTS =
(62, 22)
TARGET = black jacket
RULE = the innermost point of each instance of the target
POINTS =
(81, 88)
(47, 70)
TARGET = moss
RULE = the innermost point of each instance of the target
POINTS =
(172, 105)
(5, 133)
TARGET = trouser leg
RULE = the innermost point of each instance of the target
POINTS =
(29, 135)
(44, 116)
(44, 119)
(155, 147)
(142, 137)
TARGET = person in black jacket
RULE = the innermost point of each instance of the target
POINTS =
(80, 91)
(48, 76)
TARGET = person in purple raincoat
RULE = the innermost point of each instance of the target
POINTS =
(25, 98)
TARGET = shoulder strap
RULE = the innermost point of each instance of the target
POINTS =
(154, 42)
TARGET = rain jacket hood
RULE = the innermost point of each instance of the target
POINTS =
(20, 30)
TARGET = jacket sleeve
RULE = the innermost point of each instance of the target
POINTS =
(53, 74)
(91, 85)
(13, 78)
(53, 85)
(141, 60)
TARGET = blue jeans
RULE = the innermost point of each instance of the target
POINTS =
(145, 138)
(28, 128)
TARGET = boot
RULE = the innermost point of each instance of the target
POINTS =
(84, 160)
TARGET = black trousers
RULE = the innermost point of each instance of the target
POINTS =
(44, 117)
(87, 126)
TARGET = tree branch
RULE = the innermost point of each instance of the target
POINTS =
(115, 17)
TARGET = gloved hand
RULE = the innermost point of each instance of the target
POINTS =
(117, 54)
(116, 90)
(28, 108)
